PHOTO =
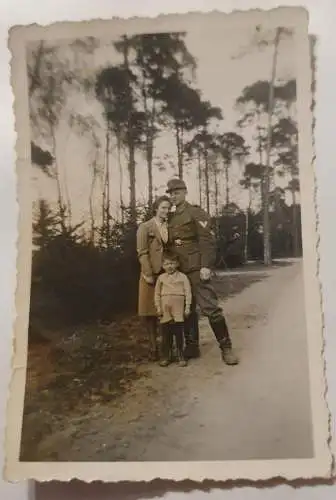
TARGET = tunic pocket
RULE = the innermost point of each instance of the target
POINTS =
(193, 260)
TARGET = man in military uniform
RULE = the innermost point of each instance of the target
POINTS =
(191, 238)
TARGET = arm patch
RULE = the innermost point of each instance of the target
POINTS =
(203, 223)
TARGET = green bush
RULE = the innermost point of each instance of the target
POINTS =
(86, 282)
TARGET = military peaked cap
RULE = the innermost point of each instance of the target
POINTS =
(175, 184)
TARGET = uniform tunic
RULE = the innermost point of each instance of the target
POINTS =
(192, 239)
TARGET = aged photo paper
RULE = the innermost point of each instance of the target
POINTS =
(168, 306)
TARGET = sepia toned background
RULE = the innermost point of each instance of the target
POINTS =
(210, 58)
(111, 120)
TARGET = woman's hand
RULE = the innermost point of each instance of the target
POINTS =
(187, 311)
(149, 279)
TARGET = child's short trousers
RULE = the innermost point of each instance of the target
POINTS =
(172, 308)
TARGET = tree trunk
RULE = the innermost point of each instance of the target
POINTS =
(260, 150)
(199, 176)
(102, 229)
(130, 141)
(61, 206)
(108, 208)
(266, 183)
(132, 188)
(150, 173)
(92, 230)
(227, 188)
(93, 183)
(207, 188)
(149, 140)
(67, 197)
(179, 150)
(295, 235)
(247, 222)
(246, 235)
(216, 192)
(121, 199)
(106, 192)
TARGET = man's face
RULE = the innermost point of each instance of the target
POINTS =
(178, 196)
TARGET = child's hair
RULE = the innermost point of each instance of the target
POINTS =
(171, 256)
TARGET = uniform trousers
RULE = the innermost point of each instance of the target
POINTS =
(205, 297)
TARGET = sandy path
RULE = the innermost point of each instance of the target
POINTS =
(209, 411)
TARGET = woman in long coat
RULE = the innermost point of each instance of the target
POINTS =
(152, 236)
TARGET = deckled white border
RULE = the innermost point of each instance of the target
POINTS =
(198, 471)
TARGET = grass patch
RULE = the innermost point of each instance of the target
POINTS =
(66, 377)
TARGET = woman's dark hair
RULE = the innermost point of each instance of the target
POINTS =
(158, 202)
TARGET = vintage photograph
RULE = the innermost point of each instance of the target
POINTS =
(168, 302)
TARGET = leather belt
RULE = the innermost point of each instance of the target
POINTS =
(180, 242)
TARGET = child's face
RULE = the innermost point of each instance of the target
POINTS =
(169, 266)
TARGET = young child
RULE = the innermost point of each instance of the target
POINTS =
(172, 298)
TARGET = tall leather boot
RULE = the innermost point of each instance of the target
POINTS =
(222, 335)
(191, 336)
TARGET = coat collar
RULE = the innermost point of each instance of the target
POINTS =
(181, 207)
(155, 228)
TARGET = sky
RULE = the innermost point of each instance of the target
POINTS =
(226, 63)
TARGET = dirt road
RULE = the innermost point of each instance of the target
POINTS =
(209, 411)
